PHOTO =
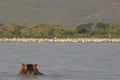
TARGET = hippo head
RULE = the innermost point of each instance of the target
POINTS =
(29, 69)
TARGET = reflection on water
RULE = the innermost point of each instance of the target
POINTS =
(61, 61)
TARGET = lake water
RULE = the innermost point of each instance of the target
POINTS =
(61, 61)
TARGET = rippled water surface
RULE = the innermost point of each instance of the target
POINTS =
(62, 61)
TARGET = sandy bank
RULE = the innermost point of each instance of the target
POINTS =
(82, 40)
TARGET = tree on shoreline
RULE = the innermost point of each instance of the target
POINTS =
(100, 30)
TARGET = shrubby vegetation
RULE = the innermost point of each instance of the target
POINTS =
(89, 30)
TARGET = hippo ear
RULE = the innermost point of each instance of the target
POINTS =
(23, 64)
(35, 65)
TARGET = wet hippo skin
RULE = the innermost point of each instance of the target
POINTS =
(29, 69)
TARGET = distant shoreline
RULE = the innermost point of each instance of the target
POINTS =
(75, 40)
